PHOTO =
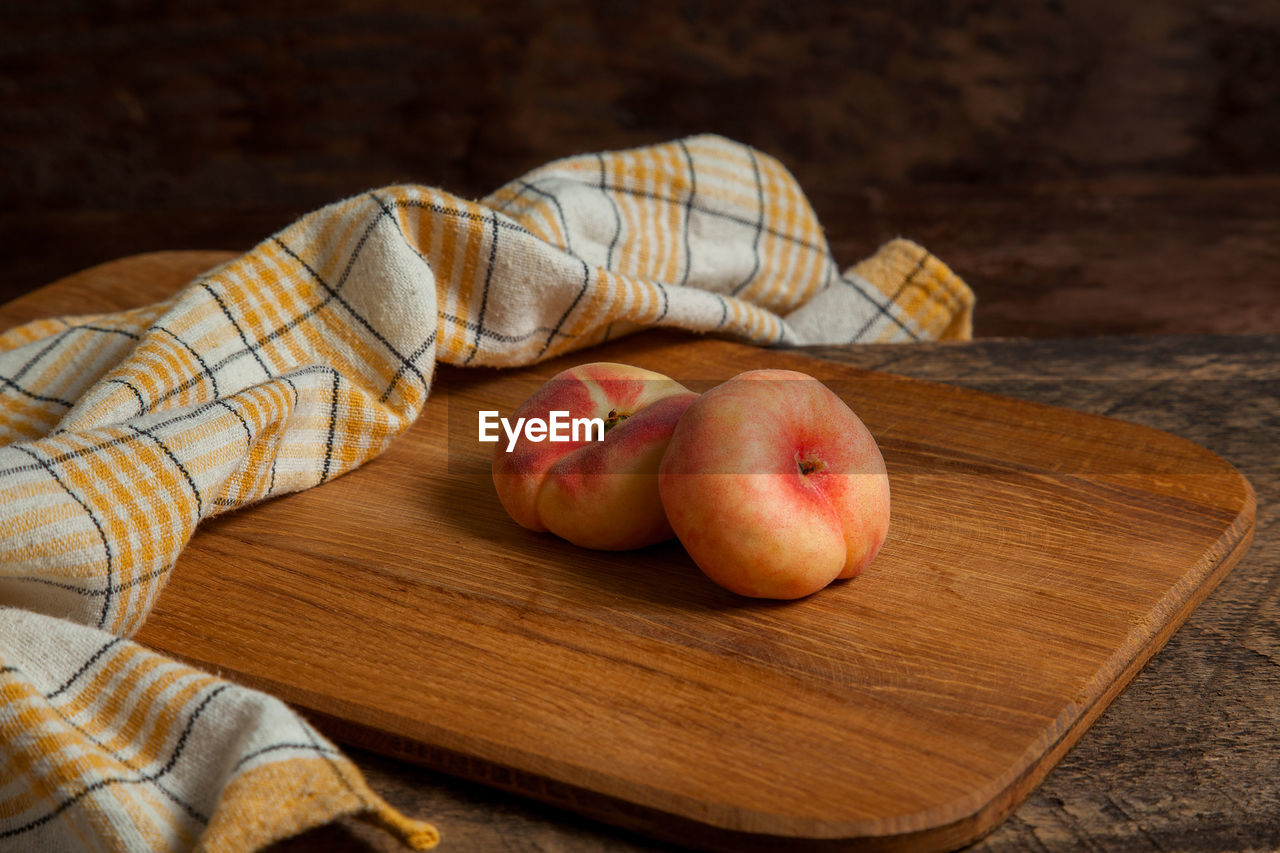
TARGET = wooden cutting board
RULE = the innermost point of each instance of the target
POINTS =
(1037, 558)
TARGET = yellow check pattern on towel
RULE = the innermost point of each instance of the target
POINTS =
(299, 361)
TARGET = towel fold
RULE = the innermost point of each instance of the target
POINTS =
(296, 362)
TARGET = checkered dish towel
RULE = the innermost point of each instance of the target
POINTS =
(299, 361)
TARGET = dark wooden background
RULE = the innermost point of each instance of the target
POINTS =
(1089, 167)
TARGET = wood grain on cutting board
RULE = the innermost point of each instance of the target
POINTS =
(1036, 559)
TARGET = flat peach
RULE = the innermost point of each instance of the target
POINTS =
(595, 492)
(774, 486)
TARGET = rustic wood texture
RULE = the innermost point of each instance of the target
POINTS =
(1089, 166)
(1037, 559)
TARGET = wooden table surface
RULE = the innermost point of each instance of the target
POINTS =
(1188, 757)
